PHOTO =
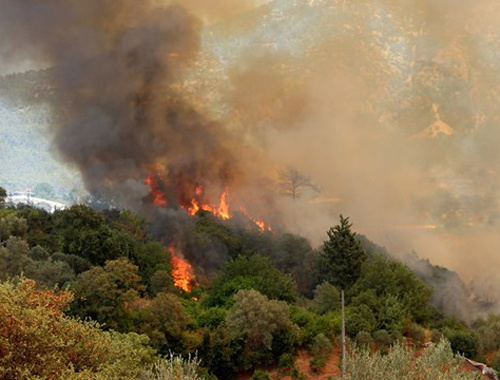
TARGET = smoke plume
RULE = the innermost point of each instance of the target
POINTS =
(390, 107)
(117, 68)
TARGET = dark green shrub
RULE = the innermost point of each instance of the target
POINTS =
(286, 362)
(382, 338)
(212, 317)
(317, 364)
(416, 333)
(260, 375)
(364, 339)
(463, 342)
(495, 363)
(436, 336)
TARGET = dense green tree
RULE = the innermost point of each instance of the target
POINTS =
(294, 255)
(326, 298)
(78, 264)
(105, 294)
(359, 318)
(260, 374)
(38, 253)
(462, 342)
(41, 227)
(83, 232)
(38, 341)
(312, 324)
(50, 273)
(222, 353)
(320, 349)
(255, 272)
(153, 258)
(343, 255)
(3, 197)
(488, 333)
(382, 338)
(386, 277)
(164, 319)
(212, 317)
(260, 321)
(12, 225)
(364, 339)
(392, 314)
(14, 257)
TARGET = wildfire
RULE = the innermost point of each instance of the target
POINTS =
(156, 193)
(199, 202)
(262, 226)
(182, 271)
(258, 222)
(221, 211)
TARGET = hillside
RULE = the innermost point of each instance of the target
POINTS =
(272, 302)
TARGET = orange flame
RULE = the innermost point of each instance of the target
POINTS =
(221, 211)
(198, 202)
(182, 272)
(158, 196)
(263, 227)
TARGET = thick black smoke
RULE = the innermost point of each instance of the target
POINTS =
(116, 66)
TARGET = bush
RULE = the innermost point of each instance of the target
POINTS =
(359, 318)
(416, 333)
(326, 298)
(382, 338)
(436, 363)
(255, 272)
(261, 375)
(436, 336)
(320, 349)
(286, 362)
(462, 342)
(317, 364)
(495, 363)
(39, 341)
(321, 346)
(364, 339)
(328, 324)
(212, 318)
(174, 368)
(264, 324)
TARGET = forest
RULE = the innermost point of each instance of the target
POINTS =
(92, 294)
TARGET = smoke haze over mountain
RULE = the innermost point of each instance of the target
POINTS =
(391, 108)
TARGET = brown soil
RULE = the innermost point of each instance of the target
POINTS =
(332, 368)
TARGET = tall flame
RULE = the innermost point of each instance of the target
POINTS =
(221, 211)
(182, 272)
(156, 193)
(199, 202)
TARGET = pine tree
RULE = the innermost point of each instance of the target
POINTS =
(342, 255)
(3, 196)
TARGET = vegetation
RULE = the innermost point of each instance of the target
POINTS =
(343, 255)
(268, 298)
(436, 363)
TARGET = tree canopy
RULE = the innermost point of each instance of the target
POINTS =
(342, 255)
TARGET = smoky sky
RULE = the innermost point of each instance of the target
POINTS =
(390, 107)
(117, 67)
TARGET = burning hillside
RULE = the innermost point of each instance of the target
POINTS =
(391, 108)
